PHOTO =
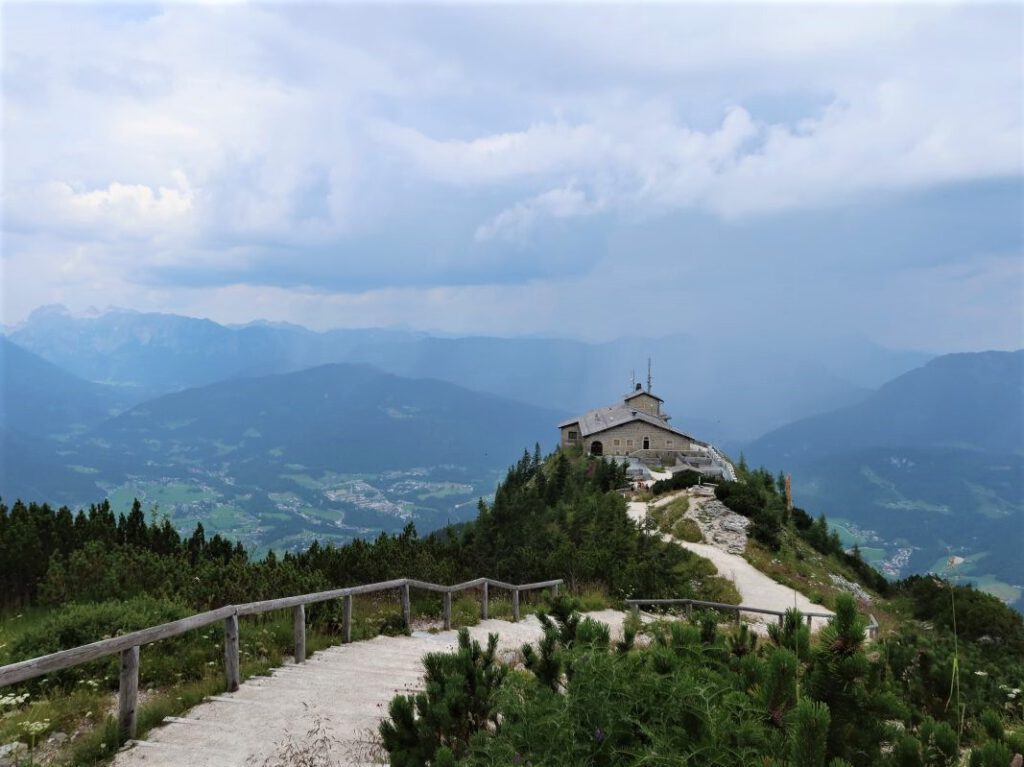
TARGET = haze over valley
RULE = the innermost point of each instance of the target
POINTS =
(278, 435)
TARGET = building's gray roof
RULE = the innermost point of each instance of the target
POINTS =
(604, 418)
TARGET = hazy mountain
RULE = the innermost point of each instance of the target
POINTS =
(933, 462)
(863, 362)
(723, 393)
(340, 417)
(332, 452)
(154, 354)
(34, 469)
(957, 400)
(37, 397)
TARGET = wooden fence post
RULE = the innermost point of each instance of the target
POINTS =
(128, 694)
(299, 625)
(554, 590)
(231, 671)
(406, 606)
(782, 620)
(737, 616)
(447, 610)
(808, 621)
(346, 619)
(515, 604)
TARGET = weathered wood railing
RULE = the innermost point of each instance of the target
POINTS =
(689, 604)
(128, 644)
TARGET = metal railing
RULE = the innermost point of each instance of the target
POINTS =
(689, 604)
(128, 645)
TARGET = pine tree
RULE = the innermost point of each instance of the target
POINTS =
(808, 745)
(458, 701)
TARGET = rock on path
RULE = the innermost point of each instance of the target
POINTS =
(348, 687)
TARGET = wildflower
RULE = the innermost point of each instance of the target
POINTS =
(981, 673)
(599, 735)
(13, 700)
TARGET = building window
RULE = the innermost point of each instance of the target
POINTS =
(616, 442)
(668, 443)
(573, 436)
(629, 443)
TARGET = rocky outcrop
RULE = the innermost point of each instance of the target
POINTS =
(853, 588)
(721, 526)
(12, 753)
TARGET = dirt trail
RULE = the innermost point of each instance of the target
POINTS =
(756, 589)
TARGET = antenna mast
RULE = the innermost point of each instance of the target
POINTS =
(648, 375)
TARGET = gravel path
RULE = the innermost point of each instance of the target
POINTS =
(756, 589)
(347, 687)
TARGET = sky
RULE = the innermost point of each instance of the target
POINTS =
(787, 172)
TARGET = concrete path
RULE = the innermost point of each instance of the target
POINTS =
(756, 589)
(347, 688)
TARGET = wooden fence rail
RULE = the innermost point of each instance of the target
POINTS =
(872, 627)
(127, 645)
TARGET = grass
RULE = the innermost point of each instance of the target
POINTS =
(671, 519)
(800, 567)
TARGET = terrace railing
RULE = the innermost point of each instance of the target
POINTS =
(128, 645)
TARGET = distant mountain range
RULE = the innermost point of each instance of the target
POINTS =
(332, 452)
(933, 462)
(276, 434)
(724, 393)
(42, 399)
(325, 418)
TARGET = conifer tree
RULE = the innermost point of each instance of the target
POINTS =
(810, 734)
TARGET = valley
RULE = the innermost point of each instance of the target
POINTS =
(289, 511)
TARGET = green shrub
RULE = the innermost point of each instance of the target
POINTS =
(991, 754)
(78, 624)
(687, 530)
(458, 701)
(810, 733)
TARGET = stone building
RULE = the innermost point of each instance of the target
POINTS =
(636, 426)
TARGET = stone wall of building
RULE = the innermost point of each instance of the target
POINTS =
(628, 438)
(566, 431)
(645, 402)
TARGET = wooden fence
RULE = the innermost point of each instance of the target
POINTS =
(128, 645)
(689, 604)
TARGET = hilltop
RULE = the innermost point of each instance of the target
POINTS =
(664, 684)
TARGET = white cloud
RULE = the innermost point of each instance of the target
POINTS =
(516, 223)
(895, 135)
(131, 209)
(141, 143)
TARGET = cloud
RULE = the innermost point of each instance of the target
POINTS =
(119, 208)
(335, 154)
(516, 223)
(890, 137)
